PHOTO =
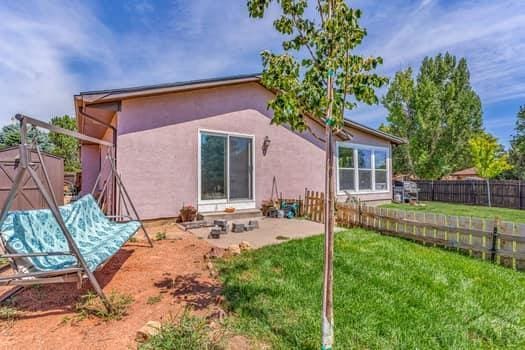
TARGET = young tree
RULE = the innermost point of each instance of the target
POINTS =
(318, 76)
(517, 146)
(437, 113)
(65, 146)
(488, 157)
(10, 136)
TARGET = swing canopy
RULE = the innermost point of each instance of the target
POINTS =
(35, 231)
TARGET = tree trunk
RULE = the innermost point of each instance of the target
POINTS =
(327, 310)
(488, 192)
(327, 321)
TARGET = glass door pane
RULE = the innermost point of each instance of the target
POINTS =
(213, 166)
(240, 161)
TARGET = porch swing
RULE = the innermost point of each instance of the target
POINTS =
(67, 243)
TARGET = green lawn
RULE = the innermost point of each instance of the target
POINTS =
(389, 294)
(463, 210)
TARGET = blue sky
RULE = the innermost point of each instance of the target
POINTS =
(50, 50)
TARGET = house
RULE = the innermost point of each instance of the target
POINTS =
(209, 143)
(465, 174)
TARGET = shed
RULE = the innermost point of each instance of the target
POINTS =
(30, 196)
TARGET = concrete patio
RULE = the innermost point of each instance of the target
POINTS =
(267, 233)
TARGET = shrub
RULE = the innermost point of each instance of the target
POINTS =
(188, 333)
(91, 305)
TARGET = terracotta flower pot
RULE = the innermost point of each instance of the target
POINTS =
(188, 213)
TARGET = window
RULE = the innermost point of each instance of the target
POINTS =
(362, 168)
(380, 159)
(346, 169)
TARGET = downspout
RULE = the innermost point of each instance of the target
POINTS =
(114, 133)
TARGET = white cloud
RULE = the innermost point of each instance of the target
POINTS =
(50, 50)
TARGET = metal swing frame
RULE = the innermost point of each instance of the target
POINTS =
(27, 166)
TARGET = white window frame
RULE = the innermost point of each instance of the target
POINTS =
(207, 205)
(355, 147)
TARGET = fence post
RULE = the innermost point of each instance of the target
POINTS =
(494, 247)
(432, 191)
(359, 215)
(520, 194)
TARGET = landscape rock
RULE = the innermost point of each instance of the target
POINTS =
(234, 249)
(214, 253)
(243, 246)
(150, 329)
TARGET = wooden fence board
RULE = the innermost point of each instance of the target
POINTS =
(504, 193)
(472, 236)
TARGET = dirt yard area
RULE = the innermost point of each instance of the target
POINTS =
(173, 273)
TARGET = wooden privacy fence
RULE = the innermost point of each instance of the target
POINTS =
(501, 242)
(504, 193)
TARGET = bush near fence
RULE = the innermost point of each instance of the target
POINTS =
(504, 193)
(488, 239)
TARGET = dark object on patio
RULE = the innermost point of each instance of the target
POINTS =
(187, 213)
(222, 224)
(196, 224)
(272, 213)
(406, 192)
(253, 224)
(237, 228)
(290, 209)
(215, 232)
(266, 207)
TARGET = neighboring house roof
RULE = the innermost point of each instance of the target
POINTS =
(115, 95)
(465, 172)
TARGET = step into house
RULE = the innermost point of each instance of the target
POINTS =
(236, 215)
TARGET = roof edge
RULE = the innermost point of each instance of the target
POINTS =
(170, 85)
(394, 139)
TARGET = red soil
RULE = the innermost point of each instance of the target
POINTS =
(175, 269)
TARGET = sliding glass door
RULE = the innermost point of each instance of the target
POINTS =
(226, 168)
(240, 166)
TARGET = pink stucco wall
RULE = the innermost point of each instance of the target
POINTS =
(157, 146)
(90, 159)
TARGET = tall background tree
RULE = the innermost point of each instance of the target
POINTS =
(318, 76)
(438, 113)
(517, 147)
(488, 157)
(66, 147)
(10, 136)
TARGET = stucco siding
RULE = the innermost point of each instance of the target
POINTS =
(158, 138)
(158, 146)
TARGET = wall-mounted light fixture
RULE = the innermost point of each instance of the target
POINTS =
(266, 145)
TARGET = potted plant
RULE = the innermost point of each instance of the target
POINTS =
(187, 213)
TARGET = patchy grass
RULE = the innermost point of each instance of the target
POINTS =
(504, 214)
(159, 236)
(91, 305)
(8, 313)
(154, 299)
(188, 333)
(389, 294)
